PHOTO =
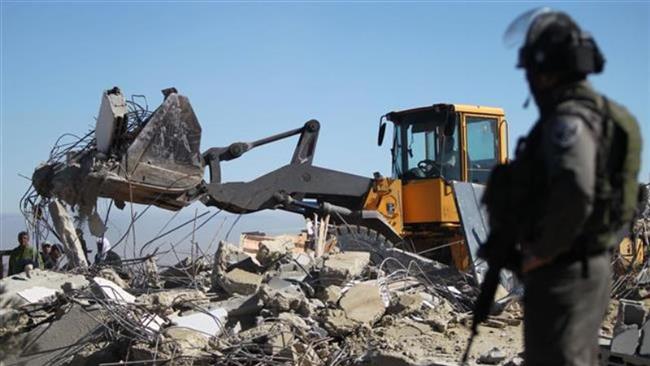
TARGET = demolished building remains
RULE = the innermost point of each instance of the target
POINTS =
(311, 298)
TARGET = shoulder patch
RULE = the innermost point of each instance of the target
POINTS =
(565, 131)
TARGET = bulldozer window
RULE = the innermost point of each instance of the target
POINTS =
(429, 153)
(482, 148)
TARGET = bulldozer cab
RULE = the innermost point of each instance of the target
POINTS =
(448, 142)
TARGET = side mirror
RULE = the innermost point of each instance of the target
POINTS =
(382, 132)
(450, 124)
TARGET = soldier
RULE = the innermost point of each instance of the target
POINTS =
(581, 161)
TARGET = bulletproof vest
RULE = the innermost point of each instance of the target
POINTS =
(513, 196)
(617, 164)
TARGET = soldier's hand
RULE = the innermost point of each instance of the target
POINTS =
(532, 263)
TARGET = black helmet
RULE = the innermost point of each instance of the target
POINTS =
(554, 42)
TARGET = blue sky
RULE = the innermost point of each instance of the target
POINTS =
(255, 69)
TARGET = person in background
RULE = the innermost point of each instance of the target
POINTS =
(53, 259)
(46, 248)
(23, 255)
(105, 255)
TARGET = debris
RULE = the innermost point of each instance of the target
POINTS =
(210, 324)
(112, 291)
(270, 251)
(238, 281)
(407, 304)
(342, 267)
(36, 294)
(110, 274)
(363, 303)
(493, 357)
(330, 295)
(66, 230)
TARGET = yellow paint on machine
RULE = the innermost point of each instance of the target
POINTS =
(427, 201)
(385, 197)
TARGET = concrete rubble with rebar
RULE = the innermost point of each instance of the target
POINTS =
(227, 308)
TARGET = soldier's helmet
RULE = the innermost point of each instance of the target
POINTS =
(550, 40)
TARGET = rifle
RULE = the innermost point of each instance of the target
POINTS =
(500, 251)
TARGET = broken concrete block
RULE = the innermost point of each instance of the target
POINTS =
(330, 295)
(238, 281)
(644, 347)
(227, 255)
(11, 286)
(208, 325)
(363, 303)
(294, 320)
(492, 357)
(406, 304)
(163, 302)
(64, 226)
(37, 294)
(43, 345)
(112, 291)
(110, 274)
(190, 342)
(626, 341)
(286, 299)
(270, 251)
(337, 323)
(342, 267)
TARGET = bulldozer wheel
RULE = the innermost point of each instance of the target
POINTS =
(361, 238)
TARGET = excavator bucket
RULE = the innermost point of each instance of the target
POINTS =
(152, 161)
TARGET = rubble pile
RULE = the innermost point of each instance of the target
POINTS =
(279, 305)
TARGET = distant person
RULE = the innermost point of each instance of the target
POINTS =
(54, 257)
(105, 255)
(46, 248)
(23, 255)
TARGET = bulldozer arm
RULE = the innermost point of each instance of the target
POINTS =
(158, 162)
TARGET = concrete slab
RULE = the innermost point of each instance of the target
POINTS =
(112, 291)
(39, 278)
(36, 294)
(211, 324)
(57, 340)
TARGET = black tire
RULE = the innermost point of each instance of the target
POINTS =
(361, 238)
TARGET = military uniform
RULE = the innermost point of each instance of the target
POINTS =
(574, 180)
(565, 301)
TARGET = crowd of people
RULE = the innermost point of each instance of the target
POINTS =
(25, 257)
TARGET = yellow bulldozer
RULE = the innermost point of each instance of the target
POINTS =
(156, 159)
